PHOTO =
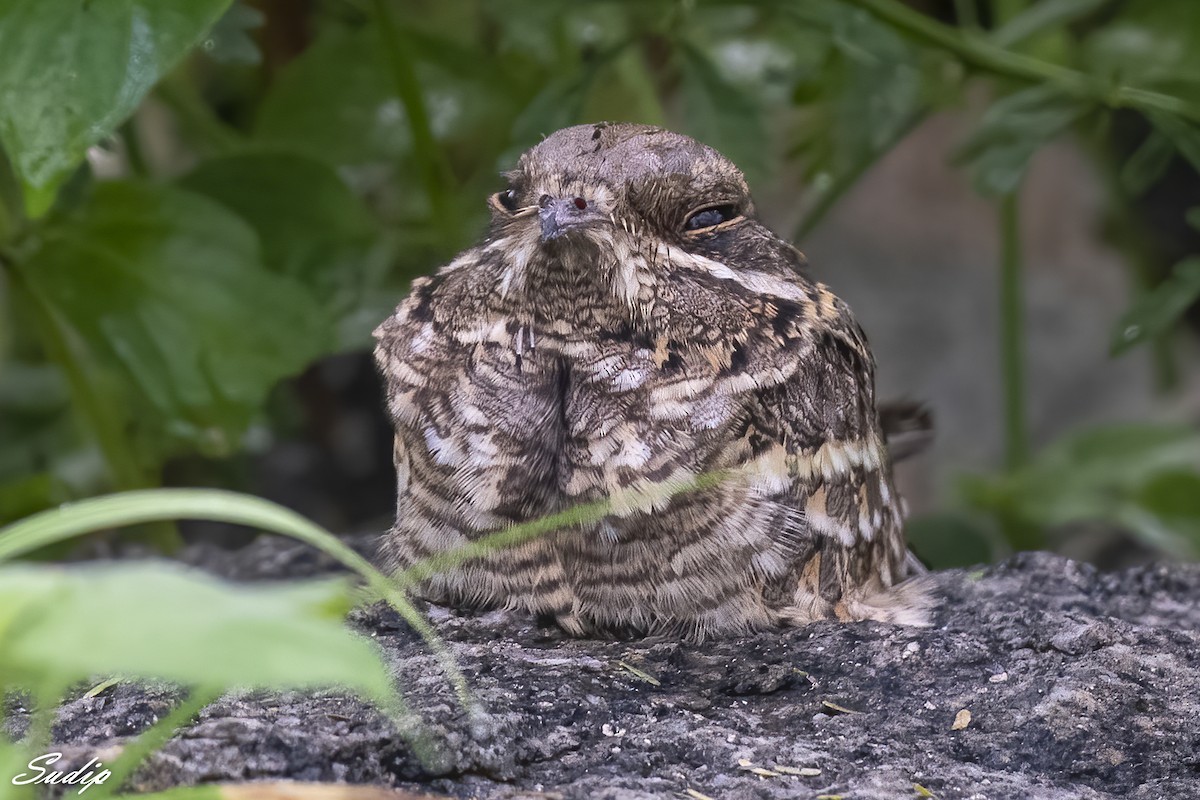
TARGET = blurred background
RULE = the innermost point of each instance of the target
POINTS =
(205, 209)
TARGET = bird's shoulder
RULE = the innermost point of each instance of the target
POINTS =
(760, 327)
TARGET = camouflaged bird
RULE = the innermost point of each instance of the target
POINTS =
(627, 324)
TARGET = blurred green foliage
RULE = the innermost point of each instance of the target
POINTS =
(201, 197)
(61, 628)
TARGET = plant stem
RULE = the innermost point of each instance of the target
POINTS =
(982, 54)
(1012, 355)
(435, 172)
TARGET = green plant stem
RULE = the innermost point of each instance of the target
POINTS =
(152, 739)
(978, 52)
(1012, 353)
(435, 172)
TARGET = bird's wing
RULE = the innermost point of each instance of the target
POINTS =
(821, 435)
(475, 412)
(812, 441)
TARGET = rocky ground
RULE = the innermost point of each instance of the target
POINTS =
(1077, 685)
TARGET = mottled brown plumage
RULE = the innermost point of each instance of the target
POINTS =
(627, 324)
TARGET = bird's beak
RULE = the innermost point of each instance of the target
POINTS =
(558, 215)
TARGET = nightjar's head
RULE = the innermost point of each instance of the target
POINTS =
(611, 192)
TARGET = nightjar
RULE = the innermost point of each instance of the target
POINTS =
(626, 325)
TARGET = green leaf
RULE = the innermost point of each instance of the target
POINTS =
(947, 539)
(43, 458)
(168, 287)
(1183, 134)
(559, 104)
(1113, 474)
(861, 87)
(1043, 16)
(155, 620)
(1011, 131)
(1193, 217)
(27, 494)
(336, 102)
(73, 70)
(312, 227)
(723, 115)
(232, 40)
(132, 508)
(1148, 163)
(1151, 45)
(1156, 312)
(1173, 500)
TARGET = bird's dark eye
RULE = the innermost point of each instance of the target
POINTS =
(508, 199)
(708, 217)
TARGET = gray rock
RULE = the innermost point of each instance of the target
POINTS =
(1079, 685)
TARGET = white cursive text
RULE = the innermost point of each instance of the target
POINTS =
(90, 774)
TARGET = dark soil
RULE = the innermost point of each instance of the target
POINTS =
(1079, 684)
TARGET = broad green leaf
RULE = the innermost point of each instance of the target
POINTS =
(1011, 131)
(1157, 311)
(723, 115)
(1193, 217)
(155, 620)
(168, 287)
(132, 508)
(1112, 474)
(312, 227)
(72, 70)
(336, 102)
